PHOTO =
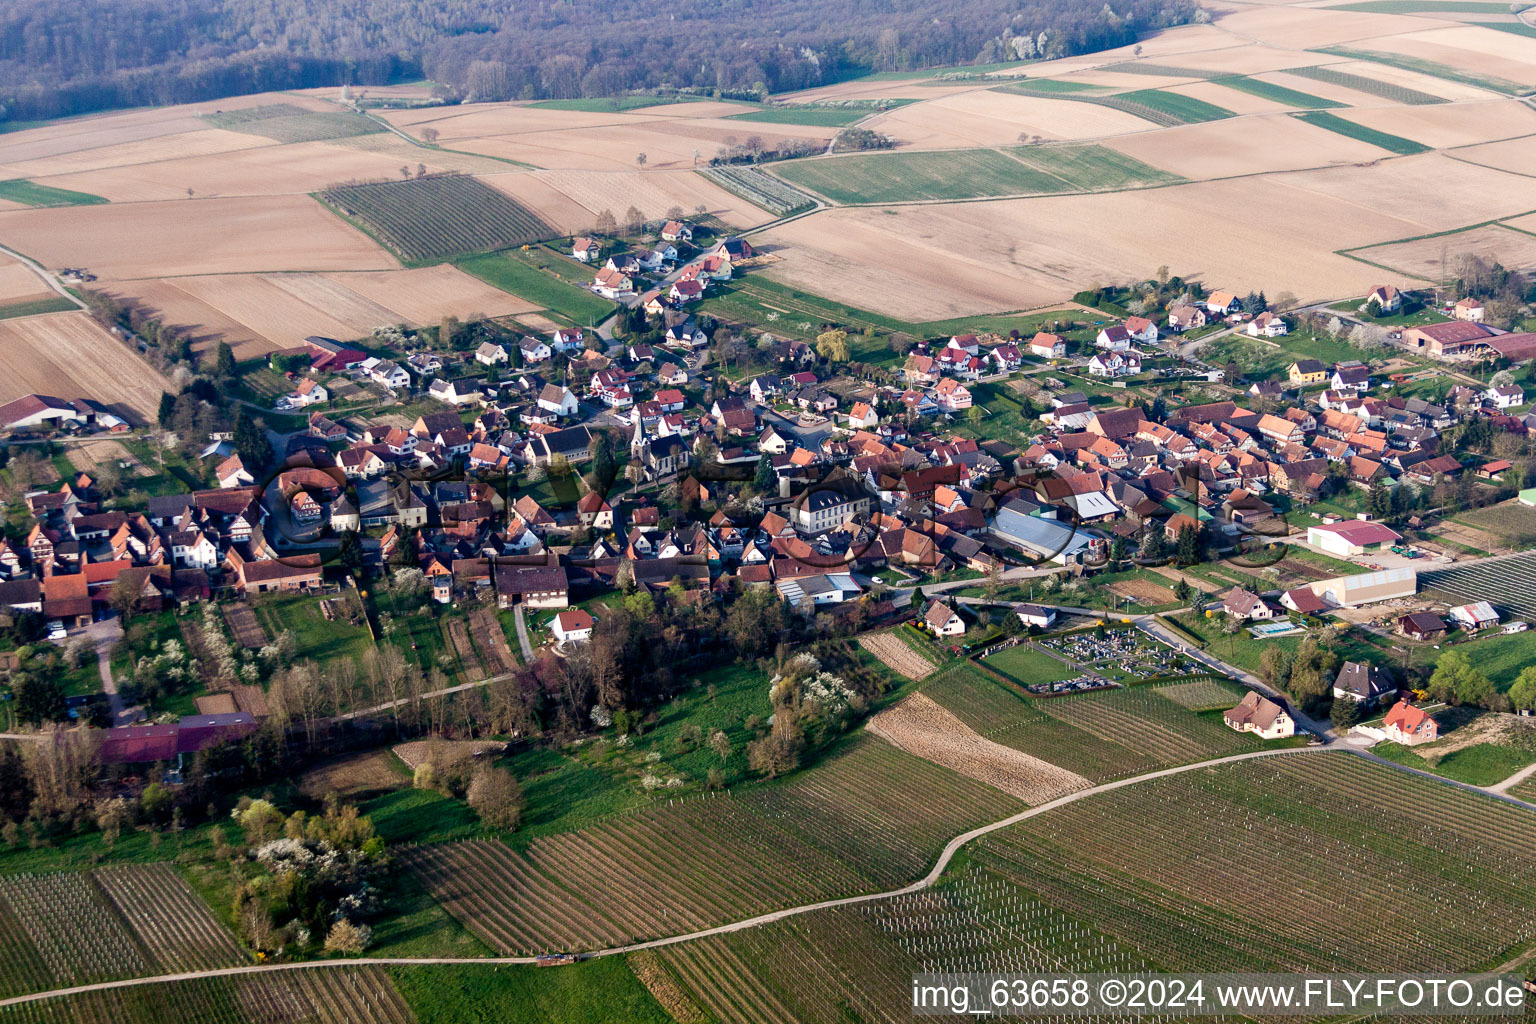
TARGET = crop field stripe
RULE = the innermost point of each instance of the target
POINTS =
(1343, 126)
(1136, 67)
(289, 123)
(1092, 167)
(1371, 86)
(898, 177)
(1050, 86)
(1278, 93)
(1518, 28)
(1425, 7)
(822, 117)
(30, 193)
(1428, 67)
(760, 188)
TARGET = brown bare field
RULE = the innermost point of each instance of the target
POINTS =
(202, 323)
(930, 262)
(266, 170)
(273, 312)
(1511, 155)
(553, 206)
(1302, 28)
(202, 236)
(87, 453)
(1423, 257)
(1453, 91)
(1528, 222)
(201, 143)
(897, 655)
(893, 89)
(222, 703)
(1219, 149)
(921, 726)
(1434, 191)
(1470, 48)
(652, 193)
(988, 118)
(418, 752)
(427, 294)
(1144, 591)
(247, 629)
(19, 284)
(350, 775)
(475, 120)
(71, 356)
(667, 143)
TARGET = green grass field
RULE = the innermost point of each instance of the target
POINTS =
(1342, 126)
(288, 123)
(822, 117)
(1481, 764)
(1093, 168)
(30, 193)
(57, 304)
(899, 177)
(1279, 93)
(1027, 666)
(521, 274)
(593, 992)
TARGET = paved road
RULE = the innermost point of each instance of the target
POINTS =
(53, 282)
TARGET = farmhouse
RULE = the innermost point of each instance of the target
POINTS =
(1045, 345)
(1448, 339)
(942, 619)
(1410, 725)
(1469, 309)
(1421, 625)
(1385, 299)
(1260, 715)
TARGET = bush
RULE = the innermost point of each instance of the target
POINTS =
(495, 795)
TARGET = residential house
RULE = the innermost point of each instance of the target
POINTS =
(1363, 683)
(1384, 298)
(586, 249)
(567, 340)
(951, 396)
(1258, 714)
(1469, 309)
(594, 511)
(1352, 377)
(943, 620)
(1410, 725)
(574, 625)
(1185, 318)
(686, 291)
(1246, 605)
(1035, 615)
(1267, 325)
(1505, 396)
(1115, 364)
(533, 350)
(1142, 330)
(232, 473)
(863, 417)
(390, 374)
(490, 355)
(455, 392)
(1306, 371)
(676, 231)
(613, 284)
(1223, 304)
(765, 388)
(1114, 338)
(1045, 345)
(557, 400)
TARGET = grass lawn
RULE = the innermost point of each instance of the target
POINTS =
(1027, 666)
(1481, 764)
(1344, 126)
(30, 193)
(1502, 658)
(1244, 650)
(421, 816)
(528, 276)
(415, 924)
(592, 992)
(316, 637)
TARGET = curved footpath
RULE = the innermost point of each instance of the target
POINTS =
(927, 880)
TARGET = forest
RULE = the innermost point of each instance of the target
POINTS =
(65, 57)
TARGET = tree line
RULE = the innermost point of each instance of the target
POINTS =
(63, 57)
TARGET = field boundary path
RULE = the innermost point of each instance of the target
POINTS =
(37, 268)
(933, 875)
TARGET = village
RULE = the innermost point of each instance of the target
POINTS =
(541, 476)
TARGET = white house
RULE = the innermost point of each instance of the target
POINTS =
(1246, 605)
(1385, 298)
(1470, 309)
(1114, 338)
(191, 549)
(232, 473)
(572, 626)
(1267, 325)
(676, 231)
(1115, 364)
(391, 375)
(567, 340)
(1045, 345)
(1504, 396)
(1035, 615)
(1262, 716)
(533, 350)
(454, 392)
(613, 283)
(863, 416)
(951, 396)
(557, 400)
(942, 619)
(1142, 330)
(586, 249)
(308, 392)
(490, 355)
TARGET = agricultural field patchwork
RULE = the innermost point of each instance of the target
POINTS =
(286, 123)
(1278, 93)
(1093, 168)
(1162, 108)
(866, 817)
(433, 218)
(1390, 91)
(1509, 583)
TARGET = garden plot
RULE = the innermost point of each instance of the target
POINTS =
(353, 775)
(920, 726)
(897, 654)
